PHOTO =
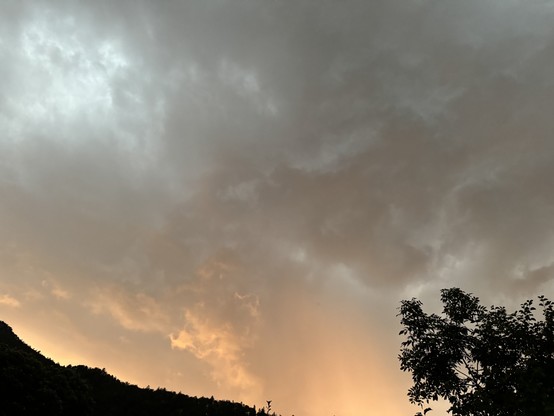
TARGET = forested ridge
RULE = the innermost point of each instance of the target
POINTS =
(33, 384)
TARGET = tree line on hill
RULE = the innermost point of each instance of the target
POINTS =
(31, 384)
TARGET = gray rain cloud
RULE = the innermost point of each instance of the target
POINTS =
(243, 191)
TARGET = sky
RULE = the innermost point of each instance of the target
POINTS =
(232, 197)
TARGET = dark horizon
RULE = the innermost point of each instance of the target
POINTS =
(35, 384)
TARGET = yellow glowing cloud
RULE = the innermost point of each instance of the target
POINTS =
(56, 289)
(135, 312)
(10, 301)
(220, 347)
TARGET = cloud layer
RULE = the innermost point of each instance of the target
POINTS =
(231, 198)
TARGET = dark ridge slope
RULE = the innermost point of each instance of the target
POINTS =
(33, 384)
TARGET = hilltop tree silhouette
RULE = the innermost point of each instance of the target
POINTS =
(31, 384)
(483, 361)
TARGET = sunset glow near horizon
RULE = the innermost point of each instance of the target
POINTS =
(231, 197)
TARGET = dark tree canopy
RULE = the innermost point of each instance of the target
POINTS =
(31, 384)
(483, 361)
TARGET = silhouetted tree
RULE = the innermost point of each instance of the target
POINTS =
(483, 361)
(31, 384)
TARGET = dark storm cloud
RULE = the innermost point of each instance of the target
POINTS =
(249, 169)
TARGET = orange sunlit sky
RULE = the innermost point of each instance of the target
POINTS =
(231, 197)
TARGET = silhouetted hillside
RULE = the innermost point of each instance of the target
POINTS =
(8, 338)
(33, 384)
